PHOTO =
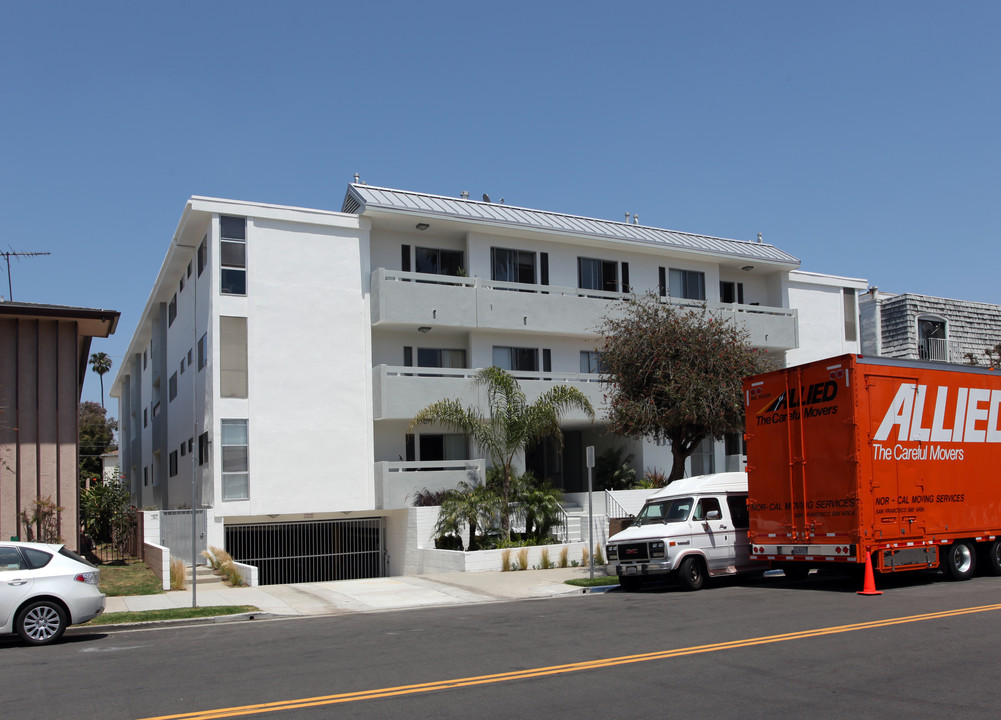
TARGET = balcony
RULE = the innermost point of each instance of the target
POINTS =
(940, 350)
(408, 299)
(400, 392)
(397, 482)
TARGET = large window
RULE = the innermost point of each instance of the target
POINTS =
(235, 460)
(597, 274)
(233, 357)
(688, 284)
(512, 358)
(590, 361)
(444, 447)
(703, 458)
(441, 358)
(731, 292)
(438, 262)
(512, 265)
(233, 255)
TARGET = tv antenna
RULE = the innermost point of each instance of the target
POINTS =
(12, 253)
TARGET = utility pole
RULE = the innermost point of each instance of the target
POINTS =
(11, 253)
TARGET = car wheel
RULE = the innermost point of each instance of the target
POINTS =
(41, 622)
(692, 573)
(959, 560)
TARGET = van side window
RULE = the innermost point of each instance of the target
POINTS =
(706, 506)
(738, 510)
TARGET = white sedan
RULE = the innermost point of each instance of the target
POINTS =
(44, 589)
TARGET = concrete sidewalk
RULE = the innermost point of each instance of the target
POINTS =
(389, 593)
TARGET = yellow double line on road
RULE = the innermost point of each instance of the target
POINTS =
(244, 710)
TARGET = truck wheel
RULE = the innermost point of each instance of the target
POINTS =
(992, 558)
(959, 560)
(692, 573)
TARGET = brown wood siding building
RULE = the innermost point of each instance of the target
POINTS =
(44, 351)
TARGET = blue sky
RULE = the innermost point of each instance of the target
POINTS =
(863, 138)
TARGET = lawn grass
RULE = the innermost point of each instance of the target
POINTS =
(593, 582)
(128, 577)
(119, 618)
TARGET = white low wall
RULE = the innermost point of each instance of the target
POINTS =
(431, 560)
(157, 559)
(249, 573)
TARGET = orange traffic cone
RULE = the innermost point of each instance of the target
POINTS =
(869, 588)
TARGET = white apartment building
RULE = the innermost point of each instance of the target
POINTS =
(283, 351)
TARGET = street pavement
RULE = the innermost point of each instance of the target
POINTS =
(388, 593)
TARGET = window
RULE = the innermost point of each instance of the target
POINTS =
(512, 265)
(233, 255)
(203, 255)
(440, 358)
(145, 475)
(201, 352)
(145, 417)
(590, 361)
(932, 338)
(235, 456)
(203, 448)
(733, 443)
(521, 359)
(172, 458)
(449, 446)
(731, 292)
(172, 387)
(189, 357)
(184, 449)
(233, 357)
(704, 457)
(851, 316)
(706, 506)
(172, 310)
(438, 262)
(688, 284)
(145, 355)
(739, 515)
(189, 269)
(597, 274)
(10, 559)
(180, 286)
(180, 368)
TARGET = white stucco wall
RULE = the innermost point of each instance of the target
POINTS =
(819, 300)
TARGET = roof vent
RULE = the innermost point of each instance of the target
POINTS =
(464, 194)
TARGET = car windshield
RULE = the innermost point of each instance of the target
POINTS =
(665, 511)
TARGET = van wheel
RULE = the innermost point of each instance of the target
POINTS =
(992, 558)
(959, 560)
(692, 573)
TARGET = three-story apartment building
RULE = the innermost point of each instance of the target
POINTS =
(283, 351)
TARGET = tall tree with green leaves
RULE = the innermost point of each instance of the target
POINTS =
(674, 373)
(97, 436)
(100, 363)
(511, 425)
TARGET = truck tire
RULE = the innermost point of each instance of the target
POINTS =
(691, 573)
(991, 558)
(958, 560)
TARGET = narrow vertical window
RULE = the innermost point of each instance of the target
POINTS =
(662, 282)
(851, 316)
(233, 357)
(201, 352)
(235, 460)
(233, 255)
(203, 255)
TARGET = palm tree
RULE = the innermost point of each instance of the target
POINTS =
(100, 363)
(512, 425)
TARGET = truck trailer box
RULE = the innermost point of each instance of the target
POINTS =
(855, 457)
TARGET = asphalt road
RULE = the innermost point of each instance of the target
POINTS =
(763, 648)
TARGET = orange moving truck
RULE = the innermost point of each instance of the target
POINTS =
(855, 457)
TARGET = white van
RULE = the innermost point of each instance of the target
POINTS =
(693, 528)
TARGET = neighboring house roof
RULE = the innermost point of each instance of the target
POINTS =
(361, 198)
(90, 322)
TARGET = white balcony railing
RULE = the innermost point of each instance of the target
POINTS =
(400, 392)
(460, 302)
(396, 483)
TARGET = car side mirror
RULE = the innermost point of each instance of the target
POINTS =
(713, 515)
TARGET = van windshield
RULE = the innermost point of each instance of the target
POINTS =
(665, 511)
